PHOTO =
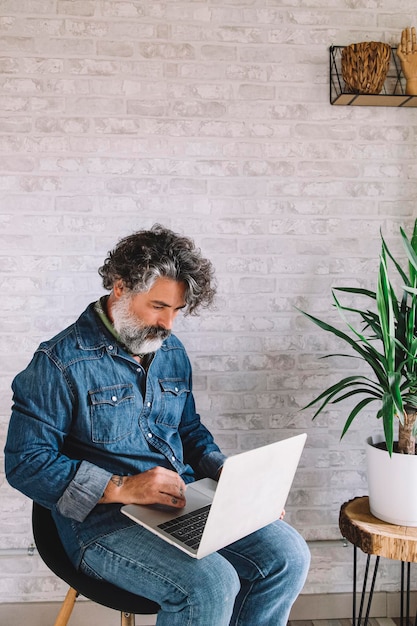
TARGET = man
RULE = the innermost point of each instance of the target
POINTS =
(104, 415)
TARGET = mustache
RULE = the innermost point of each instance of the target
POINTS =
(156, 332)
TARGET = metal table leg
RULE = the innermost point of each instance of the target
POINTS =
(358, 622)
(405, 594)
(355, 558)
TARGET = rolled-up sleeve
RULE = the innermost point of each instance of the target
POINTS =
(83, 492)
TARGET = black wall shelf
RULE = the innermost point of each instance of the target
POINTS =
(392, 94)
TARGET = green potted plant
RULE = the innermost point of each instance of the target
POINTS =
(386, 341)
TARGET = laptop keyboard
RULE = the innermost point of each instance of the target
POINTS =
(188, 528)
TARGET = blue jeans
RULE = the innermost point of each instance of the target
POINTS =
(254, 581)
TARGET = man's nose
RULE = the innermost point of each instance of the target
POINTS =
(166, 319)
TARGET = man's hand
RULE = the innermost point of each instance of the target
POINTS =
(155, 486)
(407, 53)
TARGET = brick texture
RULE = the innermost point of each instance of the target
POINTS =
(213, 118)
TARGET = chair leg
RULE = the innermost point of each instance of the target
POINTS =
(127, 619)
(66, 608)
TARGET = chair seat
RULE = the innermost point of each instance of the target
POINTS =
(54, 556)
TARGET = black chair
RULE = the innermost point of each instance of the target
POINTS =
(53, 554)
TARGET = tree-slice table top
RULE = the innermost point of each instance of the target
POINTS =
(373, 536)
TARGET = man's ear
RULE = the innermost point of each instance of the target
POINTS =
(118, 288)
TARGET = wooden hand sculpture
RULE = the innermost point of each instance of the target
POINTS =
(407, 53)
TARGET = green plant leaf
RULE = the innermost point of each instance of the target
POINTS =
(358, 291)
(358, 408)
(386, 313)
(387, 412)
(411, 247)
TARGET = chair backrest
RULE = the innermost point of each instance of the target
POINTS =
(54, 556)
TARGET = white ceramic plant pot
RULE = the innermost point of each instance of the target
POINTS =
(392, 485)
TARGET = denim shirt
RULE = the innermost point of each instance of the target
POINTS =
(80, 415)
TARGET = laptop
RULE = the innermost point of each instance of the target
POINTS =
(251, 493)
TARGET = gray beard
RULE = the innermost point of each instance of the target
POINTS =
(138, 338)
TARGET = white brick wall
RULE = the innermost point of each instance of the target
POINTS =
(212, 117)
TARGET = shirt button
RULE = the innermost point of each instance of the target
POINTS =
(114, 398)
(173, 458)
(148, 404)
(176, 389)
(150, 435)
(110, 347)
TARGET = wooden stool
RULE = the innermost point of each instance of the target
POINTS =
(377, 538)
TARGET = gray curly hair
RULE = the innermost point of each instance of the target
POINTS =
(139, 259)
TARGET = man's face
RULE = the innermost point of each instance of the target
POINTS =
(144, 320)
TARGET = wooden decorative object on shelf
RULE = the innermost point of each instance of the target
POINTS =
(407, 53)
(365, 66)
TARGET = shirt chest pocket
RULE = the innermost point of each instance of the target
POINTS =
(112, 412)
(174, 394)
